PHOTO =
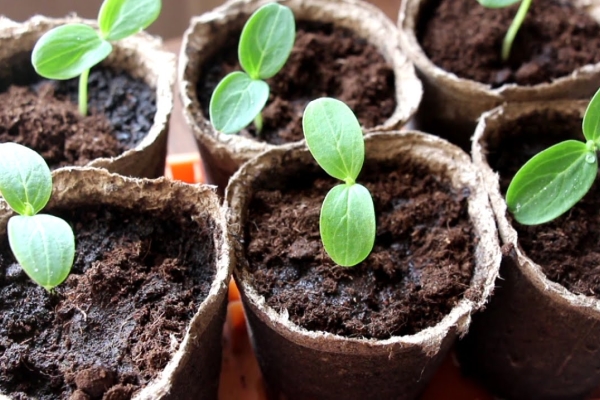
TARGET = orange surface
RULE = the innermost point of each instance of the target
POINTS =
(240, 373)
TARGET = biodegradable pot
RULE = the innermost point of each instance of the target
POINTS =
(193, 369)
(223, 154)
(451, 104)
(140, 56)
(305, 364)
(536, 339)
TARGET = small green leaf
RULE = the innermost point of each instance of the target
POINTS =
(119, 19)
(66, 51)
(236, 101)
(334, 138)
(44, 246)
(267, 40)
(347, 224)
(591, 119)
(25, 179)
(552, 182)
(497, 3)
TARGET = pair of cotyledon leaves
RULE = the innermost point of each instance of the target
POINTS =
(265, 45)
(43, 245)
(554, 180)
(335, 139)
(67, 51)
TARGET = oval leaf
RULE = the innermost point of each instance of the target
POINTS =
(334, 138)
(119, 19)
(44, 245)
(236, 101)
(66, 51)
(591, 119)
(347, 224)
(497, 3)
(25, 179)
(267, 40)
(552, 182)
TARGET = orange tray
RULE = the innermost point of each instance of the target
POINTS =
(240, 374)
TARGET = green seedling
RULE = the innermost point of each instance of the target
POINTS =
(71, 50)
(347, 221)
(555, 179)
(265, 45)
(44, 245)
(514, 26)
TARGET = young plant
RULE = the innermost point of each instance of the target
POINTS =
(265, 45)
(44, 245)
(71, 50)
(555, 179)
(335, 140)
(514, 26)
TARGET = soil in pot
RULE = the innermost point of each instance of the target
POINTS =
(462, 37)
(567, 248)
(43, 116)
(325, 60)
(420, 268)
(113, 325)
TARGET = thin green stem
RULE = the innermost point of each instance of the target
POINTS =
(514, 28)
(83, 92)
(258, 122)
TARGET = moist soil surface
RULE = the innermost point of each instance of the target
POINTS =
(44, 116)
(115, 322)
(567, 248)
(465, 38)
(420, 267)
(325, 61)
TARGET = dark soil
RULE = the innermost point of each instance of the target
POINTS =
(325, 61)
(421, 265)
(115, 322)
(566, 248)
(465, 38)
(44, 116)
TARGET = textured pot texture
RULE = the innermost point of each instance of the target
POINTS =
(451, 104)
(223, 154)
(193, 369)
(140, 56)
(316, 364)
(536, 339)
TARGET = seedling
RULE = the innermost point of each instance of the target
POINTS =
(514, 26)
(44, 245)
(347, 221)
(555, 179)
(265, 45)
(71, 50)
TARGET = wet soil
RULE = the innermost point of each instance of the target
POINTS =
(325, 61)
(421, 265)
(566, 248)
(465, 38)
(44, 116)
(115, 322)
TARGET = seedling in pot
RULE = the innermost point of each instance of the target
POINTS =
(71, 50)
(265, 45)
(514, 26)
(555, 179)
(347, 221)
(44, 245)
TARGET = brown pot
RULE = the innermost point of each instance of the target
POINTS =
(140, 55)
(223, 154)
(536, 339)
(193, 369)
(304, 364)
(451, 104)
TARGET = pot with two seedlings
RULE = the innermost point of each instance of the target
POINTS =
(120, 121)
(290, 52)
(412, 222)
